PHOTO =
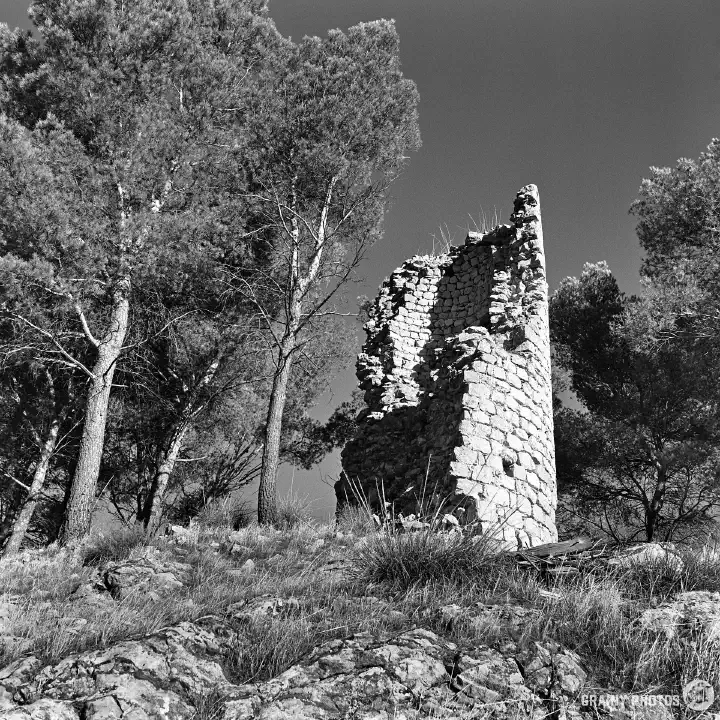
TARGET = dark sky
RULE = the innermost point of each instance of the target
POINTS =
(579, 97)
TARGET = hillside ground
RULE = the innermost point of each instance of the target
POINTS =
(335, 581)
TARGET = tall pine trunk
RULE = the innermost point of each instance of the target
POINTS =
(22, 521)
(298, 286)
(82, 494)
(165, 466)
(267, 493)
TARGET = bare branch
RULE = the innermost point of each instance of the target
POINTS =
(86, 328)
(15, 480)
(74, 362)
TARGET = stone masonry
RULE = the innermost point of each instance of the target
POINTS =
(456, 374)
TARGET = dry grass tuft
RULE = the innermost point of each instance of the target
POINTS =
(118, 545)
(698, 569)
(293, 510)
(227, 512)
(402, 560)
(267, 647)
(356, 519)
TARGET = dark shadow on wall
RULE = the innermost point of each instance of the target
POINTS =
(403, 458)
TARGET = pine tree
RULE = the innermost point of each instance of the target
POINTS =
(114, 116)
(328, 134)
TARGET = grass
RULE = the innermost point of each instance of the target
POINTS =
(228, 512)
(208, 705)
(293, 510)
(102, 548)
(403, 560)
(595, 614)
(595, 619)
(395, 581)
(267, 647)
(55, 633)
(356, 519)
(699, 570)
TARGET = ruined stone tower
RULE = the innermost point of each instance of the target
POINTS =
(456, 374)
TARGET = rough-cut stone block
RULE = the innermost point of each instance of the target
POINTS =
(500, 496)
(466, 455)
(514, 442)
(481, 444)
(480, 390)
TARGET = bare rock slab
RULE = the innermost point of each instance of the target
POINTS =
(415, 674)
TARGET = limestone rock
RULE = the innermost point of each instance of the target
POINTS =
(490, 678)
(551, 671)
(411, 675)
(648, 553)
(414, 674)
(181, 535)
(248, 566)
(501, 619)
(48, 710)
(149, 679)
(19, 673)
(627, 710)
(687, 615)
(263, 606)
(148, 573)
(92, 591)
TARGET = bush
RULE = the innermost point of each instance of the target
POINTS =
(113, 547)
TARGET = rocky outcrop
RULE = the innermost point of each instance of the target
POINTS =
(689, 616)
(161, 676)
(180, 672)
(151, 575)
(415, 674)
(183, 671)
(456, 374)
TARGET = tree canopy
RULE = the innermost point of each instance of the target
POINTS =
(640, 459)
(118, 107)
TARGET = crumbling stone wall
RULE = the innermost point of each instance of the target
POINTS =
(456, 374)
